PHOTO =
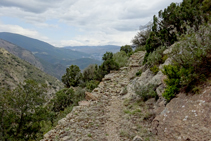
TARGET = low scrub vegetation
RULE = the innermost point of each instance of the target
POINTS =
(191, 59)
(145, 92)
(27, 115)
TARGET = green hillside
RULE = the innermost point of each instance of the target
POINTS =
(14, 70)
(21, 53)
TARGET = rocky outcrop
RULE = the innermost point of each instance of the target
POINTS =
(186, 117)
(90, 96)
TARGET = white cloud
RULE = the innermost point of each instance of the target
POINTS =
(23, 31)
(101, 21)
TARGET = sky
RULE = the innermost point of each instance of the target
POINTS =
(79, 22)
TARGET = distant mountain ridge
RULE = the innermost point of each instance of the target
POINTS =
(95, 51)
(42, 49)
(54, 61)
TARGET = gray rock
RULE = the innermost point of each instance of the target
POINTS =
(160, 90)
(62, 121)
(167, 62)
(156, 80)
(137, 138)
(66, 138)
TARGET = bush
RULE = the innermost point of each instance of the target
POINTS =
(145, 92)
(91, 85)
(21, 111)
(156, 57)
(191, 62)
(63, 99)
(89, 73)
(170, 92)
(140, 48)
(120, 58)
(107, 56)
(127, 49)
(154, 69)
(72, 77)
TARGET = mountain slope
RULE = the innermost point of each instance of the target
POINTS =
(56, 70)
(13, 70)
(21, 53)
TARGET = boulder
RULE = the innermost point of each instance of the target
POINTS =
(62, 121)
(90, 96)
(156, 80)
(186, 117)
(83, 103)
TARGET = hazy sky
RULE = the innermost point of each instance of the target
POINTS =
(78, 22)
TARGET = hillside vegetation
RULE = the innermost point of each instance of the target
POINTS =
(188, 24)
(21, 53)
(14, 70)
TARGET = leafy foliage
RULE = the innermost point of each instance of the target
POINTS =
(139, 73)
(155, 57)
(145, 92)
(120, 58)
(91, 85)
(142, 36)
(154, 69)
(65, 98)
(171, 23)
(22, 110)
(72, 76)
(127, 49)
(191, 61)
(107, 56)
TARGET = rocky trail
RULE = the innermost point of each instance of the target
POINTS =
(114, 112)
(105, 115)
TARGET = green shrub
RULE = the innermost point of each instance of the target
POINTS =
(191, 62)
(145, 92)
(156, 57)
(89, 73)
(91, 85)
(72, 77)
(196, 90)
(63, 99)
(21, 111)
(120, 58)
(170, 92)
(164, 58)
(154, 69)
(127, 49)
(140, 48)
